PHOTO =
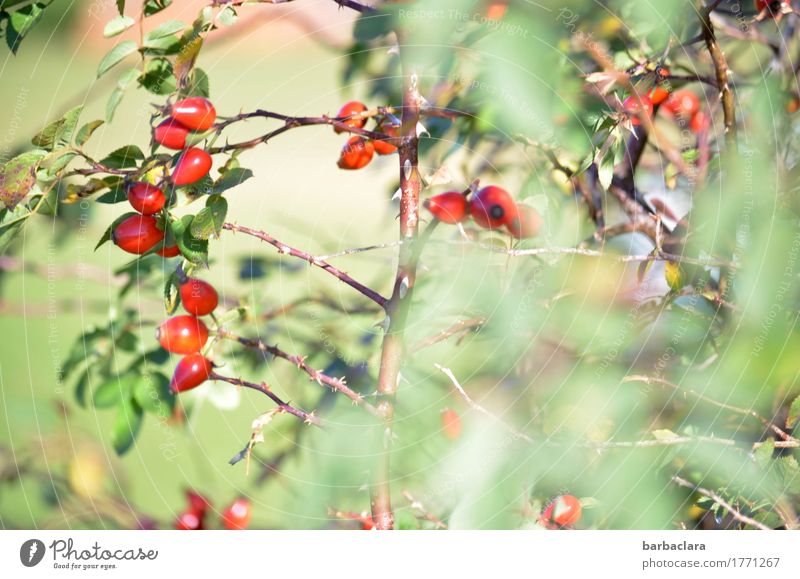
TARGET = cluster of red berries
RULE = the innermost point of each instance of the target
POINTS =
(564, 511)
(193, 114)
(492, 208)
(235, 517)
(683, 104)
(138, 234)
(358, 151)
(188, 334)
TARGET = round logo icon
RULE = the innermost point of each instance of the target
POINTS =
(31, 552)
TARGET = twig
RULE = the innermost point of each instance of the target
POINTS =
(721, 70)
(335, 384)
(307, 417)
(424, 514)
(457, 328)
(320, 263)
(721, 502)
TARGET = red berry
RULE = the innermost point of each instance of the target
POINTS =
(146, 199)
(773, 7)
(658, 95)
(195, 113)
(564, 511)
(192, 165)
(198, 297)
(356, 154)
(700, 122)
(189, 521)
(349, 109)
(182, 334)
(526, 224)
(683, 103)
(237, 515)
(170, 251)
(450, 207)
(171, 134)
(382, 147)
(197, 503)
(137, 234)
(191, 371)
(492, 207)
(633, 105)
(451, 424)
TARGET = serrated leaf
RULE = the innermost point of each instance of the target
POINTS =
(17, 178)
(794, 414)
(59, 132)
(115, 56)
(123, 158)
(118, 25)
(20, 22)
(184, 62)
(195, 250)
(152, 394)
(86, 132)
(763, 454)
(231, 178)
(107, 235)
(209, 220)
(126, 427)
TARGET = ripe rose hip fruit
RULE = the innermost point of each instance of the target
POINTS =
(492, 207)
(189, 521)
(146, 199)
(382, 147)
(450, 207)
(564, 511)
(349, 109)
(192, 165)
(526, 224)
(170, 251)
(195, 113)
(197, 502)
(182, 334)
(634, 106)
(451, 424)
(700, 122)
(356, 153)
(137, 234)
(171, 134)
(199, 298)
(191, 371)
(683, 103)
(237, 515)
(658, 95)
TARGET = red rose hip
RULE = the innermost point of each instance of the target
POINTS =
(199, 298)
(195, 113)
(349, 109)
(526, 224)
(356, 153)
(182, 334)
(137, 234)
(634, 106)
(382, 147)
(189, 521)
(192, 165)
(451, 424)
(146, 199)
(564, 511)
(171, 134)
(191, 371)
(492, 207)
(237, 516)
(450, 207)
(683, 103)
(171, 251)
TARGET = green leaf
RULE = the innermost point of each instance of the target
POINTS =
(155, 6)
(107, 235)
(231, 178)
(158, 78)
(81, 387)
(373, 25)
(172, 294)
(195, 250)
(127, 425)
(113, 391)
(209, 220)
(116, 195)
(763, 454)
(58, 160)
(167, 29)
(123, 158)
(86, 132)
(184, 62)
(152, 394)
(17, 178)
(197, 85)
(58, 133)
(20, 23)
(113, 102)
(121, 6)
(794, 414)
(118, 25)
(115, 56)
